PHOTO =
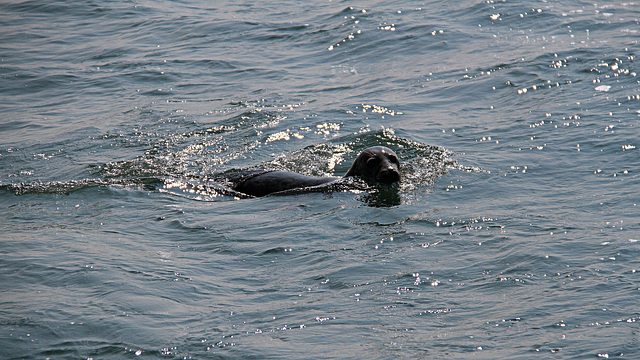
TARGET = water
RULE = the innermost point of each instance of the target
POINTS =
(514, 234)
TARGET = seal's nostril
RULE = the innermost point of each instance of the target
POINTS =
(388, 176)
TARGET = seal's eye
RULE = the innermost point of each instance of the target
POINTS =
(373, 162)
(394, 159)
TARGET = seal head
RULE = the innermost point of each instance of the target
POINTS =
(376, 164)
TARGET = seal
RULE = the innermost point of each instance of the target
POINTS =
(376, 164)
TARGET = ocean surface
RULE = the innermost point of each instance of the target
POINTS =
(514, 234)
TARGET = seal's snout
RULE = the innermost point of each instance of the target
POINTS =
(389, 175)
(388, 172)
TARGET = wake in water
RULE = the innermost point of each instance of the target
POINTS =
(169, 173)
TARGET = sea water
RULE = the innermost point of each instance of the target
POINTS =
(514, 234)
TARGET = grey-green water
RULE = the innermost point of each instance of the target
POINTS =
(514, 234)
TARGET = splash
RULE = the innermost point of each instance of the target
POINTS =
(192, 168)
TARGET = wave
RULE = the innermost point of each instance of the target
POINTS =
(166, 172)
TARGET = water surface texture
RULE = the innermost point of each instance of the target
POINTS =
(514, 234)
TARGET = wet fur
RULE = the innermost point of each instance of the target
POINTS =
(376, 164)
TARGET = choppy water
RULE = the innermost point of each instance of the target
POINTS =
(514, 234)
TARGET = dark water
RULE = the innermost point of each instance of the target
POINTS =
(514, 234)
